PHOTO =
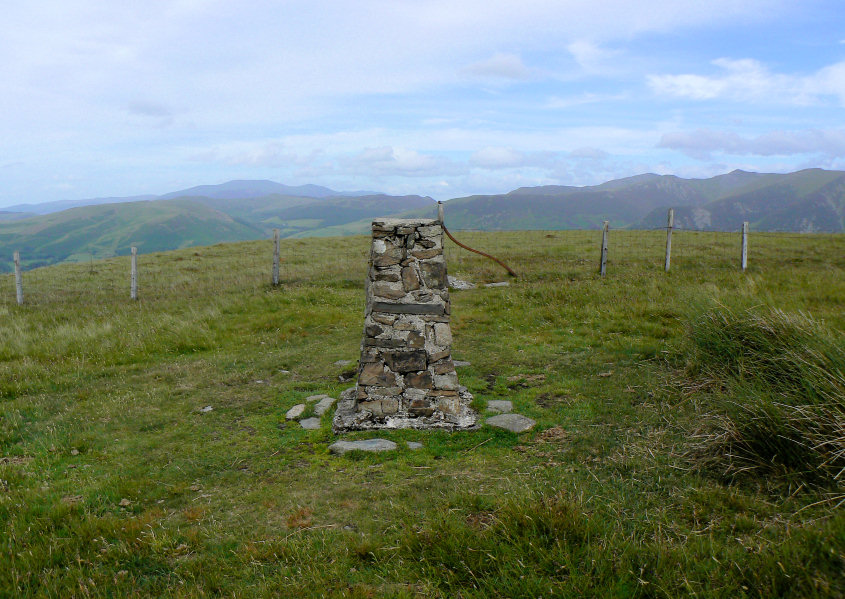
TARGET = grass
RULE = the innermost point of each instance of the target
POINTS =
(113, 482)
(779, 408)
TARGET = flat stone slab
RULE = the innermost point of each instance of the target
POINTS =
(323, 405)
(295, 412)
(414, 445)
(459, 363)
(310, 423)
(311, 398)
(500, 405)
(341, 447)
(343, 363)
(456, 283)
(515, 423)
(498, 284)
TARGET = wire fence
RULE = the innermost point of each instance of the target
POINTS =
(342, 261)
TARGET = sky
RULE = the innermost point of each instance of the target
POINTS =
(445, 98)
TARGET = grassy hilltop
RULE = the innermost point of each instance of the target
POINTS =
(667, 460)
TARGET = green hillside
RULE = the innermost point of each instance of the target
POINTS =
(145, 451)
(109, 230)
(807, 200)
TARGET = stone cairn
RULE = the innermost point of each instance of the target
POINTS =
(406, 378)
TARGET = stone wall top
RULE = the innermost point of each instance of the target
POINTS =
(405, 222)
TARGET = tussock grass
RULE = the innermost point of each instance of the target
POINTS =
(780, 406)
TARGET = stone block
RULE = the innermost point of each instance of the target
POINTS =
(419, 380)
(373, 330)
(388, 276)
(426, 254)
(421, 407)
(446, 381)
(442, 334)
(433, 274)
(374, 373)
(444, 367)
(406, 361)
(415, 339)
(387, 319)
(388, 290)
(384, 307)
(410, 280)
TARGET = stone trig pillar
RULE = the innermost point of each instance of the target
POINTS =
(406, 378)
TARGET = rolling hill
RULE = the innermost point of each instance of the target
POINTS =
(102, 231)
(809, 200)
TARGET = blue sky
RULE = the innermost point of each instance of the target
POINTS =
(434, 97)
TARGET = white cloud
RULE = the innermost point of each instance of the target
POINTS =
(500, 66)
(751, 80)
(497, 157)
(590, 56)
(701, 143)
(387, 160)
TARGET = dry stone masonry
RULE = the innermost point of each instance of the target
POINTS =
(406, 377)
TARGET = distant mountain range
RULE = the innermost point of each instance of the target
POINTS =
(807, 201)
(811, 200)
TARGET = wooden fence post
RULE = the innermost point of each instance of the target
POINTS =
(133, 293)
(18, 279)
(603, 267)
(440, 212)
(744, 259)
(670, 224)
(275, 257)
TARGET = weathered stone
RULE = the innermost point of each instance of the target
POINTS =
(423, 296)
(410, 280)
(421, 407)
(426, 243)
(430, 231)
(380, 407)
(498, 284)
(381, 392)
(342, 363)
(371, 445)
(444, 367)
(373, 330)
(404, 230)
(414, 445)
(442, 334)
(460, 363)
(391, 277)
(459, 284)
(374, 373)
(385, 343)
(499, 405)
(436, 309)
(444, 392)
(391, 255)
(447, 381)
(415, 339)
(449, 405)
(408, 323)
(440, 355)
(406, 361)
(433, 273)
(388, 290)
(515, 423)
(310, 423)
(426, 254)
(295, 412)
(387, 319)
(311, 398)
(419, 380)
(324, 405)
